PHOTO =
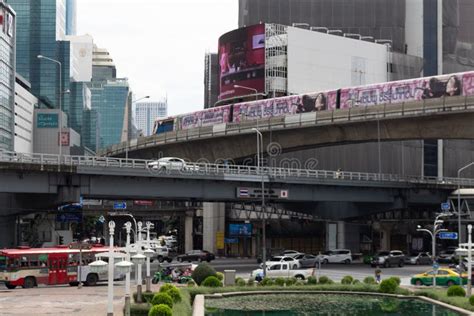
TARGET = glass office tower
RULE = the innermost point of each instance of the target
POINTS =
(112, 101)
(7, 77)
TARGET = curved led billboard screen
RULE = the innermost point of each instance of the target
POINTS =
(242, 61)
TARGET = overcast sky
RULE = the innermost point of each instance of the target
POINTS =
(159, 44)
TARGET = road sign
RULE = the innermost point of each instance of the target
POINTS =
(80, 245)
(448, 235)
(120, 205)
(69, 217)
(102, 219)
(435, 265)
(445, 206)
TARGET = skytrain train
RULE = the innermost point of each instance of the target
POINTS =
(458, 84)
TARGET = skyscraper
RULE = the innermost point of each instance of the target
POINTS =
(103, 67)
(211, 79)
(7, 79)
(112, 101)
(71, 8)
(146, 113)
(41, 31)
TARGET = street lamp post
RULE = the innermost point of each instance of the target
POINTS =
(139, 259)
(128, 228)
(110, 285)
(60, 100)
(469, 260)
(148, 254)
(128, 141)
(259, 168)
(436, 229)
(459, 199)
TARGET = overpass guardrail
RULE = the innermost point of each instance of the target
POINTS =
(198, 169)
(354, 114)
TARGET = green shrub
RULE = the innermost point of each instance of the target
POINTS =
(280, 281)
(240, 282)
(162, 298)
(369, 280)
(191, 283)
(312, 280)
(174, 293)
(138, 309)
(388, 286)
(211, 281)
(355, 282)
(471, 300)
(202, 271)
(266, 282)
(160, 310)
(396, 279)
(291, 281)
(427, 294)
(251, 282)
(299, 283)
(220, 276)
(347, 279)
(456, 290)
(165, 287)
(146, 297)
(325, 280)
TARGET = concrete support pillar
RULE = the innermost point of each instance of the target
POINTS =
(341, 235)
(213, 222)
(188, 231)
(8, 232)
(385, 240)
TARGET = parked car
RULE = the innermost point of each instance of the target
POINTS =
(283, 270)
(336, 256)
(196, 255)
(443, 276)
(290, 253)
(308, 261)
(293, 263)
(387, 259)
(171, 163)
(447, 256)
(419, 258)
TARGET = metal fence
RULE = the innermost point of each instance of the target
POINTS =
(182, 168)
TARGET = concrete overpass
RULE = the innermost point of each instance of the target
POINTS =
(36, 182)
(445, 118)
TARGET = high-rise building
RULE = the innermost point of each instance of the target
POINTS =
(211, 79)
(82, 47)
(71, 20)
(41, 31)
(103, 67)
(146, 113)
(112, 100)
(7, 78)
(25, 104)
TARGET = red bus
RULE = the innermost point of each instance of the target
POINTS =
(29, 267)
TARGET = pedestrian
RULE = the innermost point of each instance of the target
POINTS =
(378, 275)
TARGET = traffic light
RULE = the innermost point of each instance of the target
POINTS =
(60, 240)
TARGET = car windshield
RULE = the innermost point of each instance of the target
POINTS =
(3, 263)
(277, 259)
(447, 252)
(383, 253)
(327, 253)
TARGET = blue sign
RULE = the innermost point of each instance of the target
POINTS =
(435, 265)
(101, 219)
(448, 235)
(47, 120)
(240, 229)
(231, 240)
(445, 206)
(69, 217)
(120, 205)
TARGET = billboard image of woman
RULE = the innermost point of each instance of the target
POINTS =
(242, 61)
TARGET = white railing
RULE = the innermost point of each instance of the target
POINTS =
(190, 169)
(365, 113)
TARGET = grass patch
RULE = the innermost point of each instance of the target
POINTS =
(183, 307)
(442, 296)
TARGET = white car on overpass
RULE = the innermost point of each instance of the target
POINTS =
(172, 163)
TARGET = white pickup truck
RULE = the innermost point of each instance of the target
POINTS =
(283, 270)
